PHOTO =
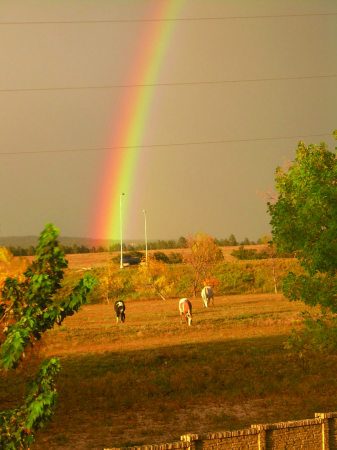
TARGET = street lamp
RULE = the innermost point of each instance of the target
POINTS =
(145, 235)
(121, 266)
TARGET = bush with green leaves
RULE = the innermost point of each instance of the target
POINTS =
(161, 256)
(27, 310)
(304, 221)
(244, 253)
(175, 258)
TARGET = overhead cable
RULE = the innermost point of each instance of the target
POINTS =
(191, 83)
(175, 144)
(186, 19)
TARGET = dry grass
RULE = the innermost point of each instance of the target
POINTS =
(152, 379)
(83, 260)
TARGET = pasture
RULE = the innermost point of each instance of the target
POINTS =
(81, 260)
(152, 379)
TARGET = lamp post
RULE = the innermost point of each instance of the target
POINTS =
(145, 236)
(121, 266)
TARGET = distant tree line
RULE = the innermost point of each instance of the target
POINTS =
(157, 245)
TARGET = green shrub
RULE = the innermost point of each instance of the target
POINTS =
(175, 258)
(160, 256)
(243, 253)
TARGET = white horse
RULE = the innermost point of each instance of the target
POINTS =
(207, 295)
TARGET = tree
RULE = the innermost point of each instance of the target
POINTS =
(211, 281)
(31, 250)
(181, 242)
(171, 244)
(202, 256)
(111, 280)
(264, 239)
(232, 241)
(155, 277)
(271, 253)
(27, 310)
(304, 221)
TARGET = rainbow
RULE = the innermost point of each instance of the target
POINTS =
(123, 166)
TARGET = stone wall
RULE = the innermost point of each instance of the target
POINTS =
(310, 434)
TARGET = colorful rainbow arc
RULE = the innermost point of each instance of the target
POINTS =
(120, 173)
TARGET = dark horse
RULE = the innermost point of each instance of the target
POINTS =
(120, 310)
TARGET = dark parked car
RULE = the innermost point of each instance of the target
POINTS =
(129, 260)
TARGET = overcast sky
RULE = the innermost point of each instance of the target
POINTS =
(183, 188)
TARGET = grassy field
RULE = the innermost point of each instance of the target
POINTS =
(152, 379)
(83, 260)
(232, 276)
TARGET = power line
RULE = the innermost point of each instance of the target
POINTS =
(192, 19)
(182, 144)
(116, 86)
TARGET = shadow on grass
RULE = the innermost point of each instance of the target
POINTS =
(235, 370)
(99, 392)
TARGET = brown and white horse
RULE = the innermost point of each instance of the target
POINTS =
(185, 309)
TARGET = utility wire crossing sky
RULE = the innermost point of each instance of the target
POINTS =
(187, 107)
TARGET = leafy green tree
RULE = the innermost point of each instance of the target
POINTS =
(162, 244)
(245, 242)
(171, 244)
(232, 241)
(112, 248)
(182, 243)
(304, 221)
(27, 310)
(264, 239)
